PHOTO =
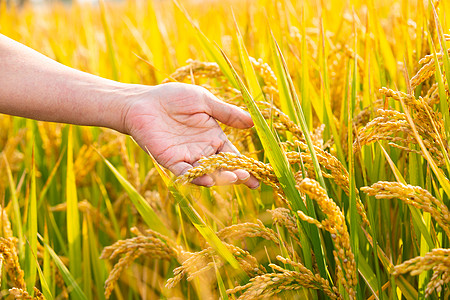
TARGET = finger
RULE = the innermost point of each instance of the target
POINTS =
(204, 180)
(182, 167)
(226, 113)
(252, 182)
(224, 177)
(243, 176)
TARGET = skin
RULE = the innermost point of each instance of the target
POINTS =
(175, 122)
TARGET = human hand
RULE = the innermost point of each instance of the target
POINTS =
(176, 122)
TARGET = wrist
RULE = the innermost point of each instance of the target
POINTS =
(126, 98)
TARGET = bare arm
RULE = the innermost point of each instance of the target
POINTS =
(35, 86)
(176, 122)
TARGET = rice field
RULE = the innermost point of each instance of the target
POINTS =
(350, 105)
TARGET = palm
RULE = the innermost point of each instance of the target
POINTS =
(177, 127)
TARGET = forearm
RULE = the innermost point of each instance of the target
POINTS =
(34, 86)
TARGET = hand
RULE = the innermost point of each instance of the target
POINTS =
(177, 123)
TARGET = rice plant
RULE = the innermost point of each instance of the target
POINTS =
(350, 105)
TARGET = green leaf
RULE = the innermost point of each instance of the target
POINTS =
(443, 180)
(73, 219)
(147, 213)
(247, 67)
(220, 284)
(109, 42)
(353, 220)
(368, 276)
(305, 83)
(415, 212)
(72, 285)
(87, 267)
(211, 50)
(31, 232)
(327, 98)
(442, 94)
(17, 220)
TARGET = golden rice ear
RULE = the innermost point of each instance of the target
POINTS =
(336, 225)
(231, 161)
(251, 230)
(392, 126)
(415, 196)
(198, 263)
(270, 284)
(10, 259)
(436, 260)
(151, 245)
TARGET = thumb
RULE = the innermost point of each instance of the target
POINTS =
(227, 113)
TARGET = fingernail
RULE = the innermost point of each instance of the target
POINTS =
(234, 180)
(242, 175)
(211, 184)
(255, 186)
(244, 179)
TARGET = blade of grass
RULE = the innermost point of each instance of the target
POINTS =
(304, 85)
(445, 184)
(353, 219)
(87, 267)
(99, 268)
(286, 101)
(443, 105)
(281, 63)
(31, 232)
(327, 98)
(108, 205)
(48, 273)
(250, 75)
(75, 291)
(17, 220)
(368, 276)
(73, 219)
(109, 41)
(443, 96)
(212, 52)
(426, 217)
(50, 178)
(147, 213)
(44, 285)
(222, 290)
(415, 213)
